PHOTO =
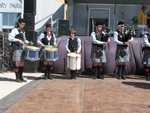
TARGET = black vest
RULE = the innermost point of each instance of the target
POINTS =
(101, 37)
(20, 36)
(148, 36)
(73, 44)
(45, 41)
(123, 37)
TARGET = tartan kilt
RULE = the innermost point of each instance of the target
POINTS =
(146, 56)
(18, 55)
(122, 54)
(98, 54)
(43, 63)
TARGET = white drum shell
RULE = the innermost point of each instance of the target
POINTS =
(74, 62)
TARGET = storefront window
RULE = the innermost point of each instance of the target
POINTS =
(10, 19)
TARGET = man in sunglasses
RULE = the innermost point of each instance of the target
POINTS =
(122, 53)
(99, 42)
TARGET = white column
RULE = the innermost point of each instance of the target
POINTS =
(65, 11)
(22, 12)
(70, 11)
(1, 21)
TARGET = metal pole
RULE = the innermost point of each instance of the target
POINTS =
(115, 8)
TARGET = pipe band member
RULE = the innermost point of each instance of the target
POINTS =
(18, 39)
(146, 55)
(46, 39)
(122, 39)
(99, 42)
(73, 45)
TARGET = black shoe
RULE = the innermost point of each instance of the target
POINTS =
(73, 77)
(98, 77)
(45, 76)
(18, 77)
(21, 78)
(102, 76)
(123, 77)
(49, 76)
(118, 77)
(147, 78)
(18, 80)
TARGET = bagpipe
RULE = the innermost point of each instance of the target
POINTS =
(107, 34)
(128, 33)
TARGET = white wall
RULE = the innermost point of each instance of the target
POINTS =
(44, 10)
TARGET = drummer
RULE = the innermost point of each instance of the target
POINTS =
(73, 45)
(18, 39)
(146, 55)
(47, 38)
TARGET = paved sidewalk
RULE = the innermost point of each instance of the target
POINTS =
(9, 85)
(86, 95)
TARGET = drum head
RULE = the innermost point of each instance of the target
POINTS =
(73, 55)
(50, 49)
(33, 48)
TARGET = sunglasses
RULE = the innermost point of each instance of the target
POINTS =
(121, 25)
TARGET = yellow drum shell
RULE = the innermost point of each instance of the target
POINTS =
(73, 55)
(32, 48)
(50, 49)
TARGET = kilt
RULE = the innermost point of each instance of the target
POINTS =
(122, 54)
(18, 55)
(43, 62)
(146, 56)
(98, 54)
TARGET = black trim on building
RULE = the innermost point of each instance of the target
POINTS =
(113, 1)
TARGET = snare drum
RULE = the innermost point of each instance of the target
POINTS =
(32, 53)
(73, 61)
(51, 54)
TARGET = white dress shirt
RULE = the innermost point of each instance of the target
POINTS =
(119, 42)
(42, 35)
(95, 41)
(15, 32)
(146, 41)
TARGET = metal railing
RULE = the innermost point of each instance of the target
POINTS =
(5, 52)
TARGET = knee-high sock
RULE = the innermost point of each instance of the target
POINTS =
(146, 71)
(99, 71)
(20, 72)
(122, 69)
(73, 73)
(17, 72)
(119, 70)
(48, 71)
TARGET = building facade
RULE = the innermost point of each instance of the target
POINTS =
(10, 11)
(83, 14)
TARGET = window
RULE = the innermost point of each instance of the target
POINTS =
(10, 19)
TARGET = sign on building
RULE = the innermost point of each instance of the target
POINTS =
(11, 6)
